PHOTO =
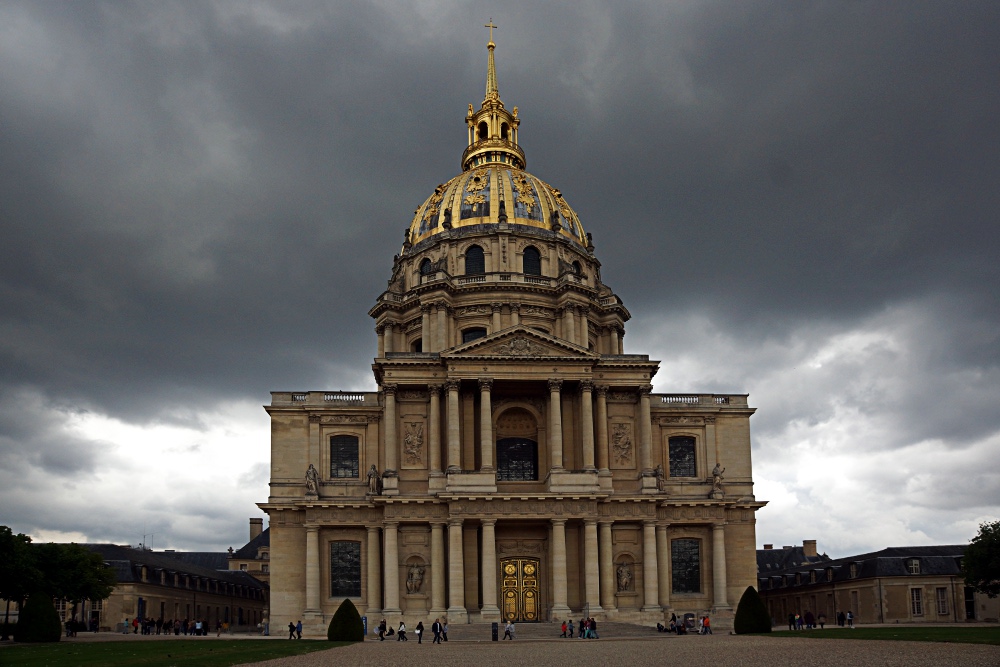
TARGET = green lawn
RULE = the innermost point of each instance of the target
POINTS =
(959, 635)
(157, 653)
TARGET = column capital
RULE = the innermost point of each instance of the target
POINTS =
(451, 384)
(645, 390)
(590, 522)
(390, 524)
(649, 522)
(601, 389)
(434, 389)
(586, 386)
(312, 528)
(558, 522)
(555, 385)
(605, 522)
(372, 529)
(455, 521)
(709, 420)
(515, 308)
(437, 522)
(488, 522)
(496, 306)
(485, 384)
(425, 308)
(389, 389)
(719, 525)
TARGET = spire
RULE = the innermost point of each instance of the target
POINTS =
(492, 92)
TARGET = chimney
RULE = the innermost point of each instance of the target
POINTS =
(257, 527)
(787, 546)
(768, 547)
(809, 548)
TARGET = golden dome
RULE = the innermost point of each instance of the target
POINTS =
(482, 195)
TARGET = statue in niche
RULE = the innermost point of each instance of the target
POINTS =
(621, 442)
(661, 477)
(312, 481)
(413, 442)
(415, 578)
(717, 477)
(374, 481)
(624, 573)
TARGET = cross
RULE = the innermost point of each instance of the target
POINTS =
(491, 26)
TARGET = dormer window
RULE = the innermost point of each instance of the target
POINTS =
(853, 570)
(913, 565)
(829, 574)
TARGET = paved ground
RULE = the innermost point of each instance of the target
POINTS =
(690, 651)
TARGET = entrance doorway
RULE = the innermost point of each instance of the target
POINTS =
(519, 589)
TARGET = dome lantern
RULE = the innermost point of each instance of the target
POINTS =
(492, 130)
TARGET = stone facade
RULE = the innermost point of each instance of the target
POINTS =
(514, 462)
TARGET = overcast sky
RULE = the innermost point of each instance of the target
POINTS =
(200, 202)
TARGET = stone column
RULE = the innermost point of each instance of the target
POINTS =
(312, 569)
(614, 341)
(437, 569)
(441, 330)
(485, 425)
(374, 572)
(602, 430)
(425, 328)
(456, 570)
(380, 330)
(587, 417)
(515, 314)
(389, 336)
(663, 564)
(591, 572)
(454, 444)
(391, 569)
(497, 312)
(584, 338)
(489, 567)
(434, 428)
(721, 599)
(645, 426)
(391, 444)
(569, 324)
(555, 427)
(560, 608)
(607, 566)
(650, 580)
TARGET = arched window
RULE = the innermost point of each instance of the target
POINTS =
(517, 460)
(474, 333)
(426, 267)
(475, 261)
(417, 345)
(682, 459)
(484, 130)
(532, 261)
(343, 456)
(503, 130)
(577, 269)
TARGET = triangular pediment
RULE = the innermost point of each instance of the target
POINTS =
(519, 342)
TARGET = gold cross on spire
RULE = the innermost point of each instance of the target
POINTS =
(491, 26)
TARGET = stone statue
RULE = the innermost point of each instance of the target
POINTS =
(374, 481)
(312, 481)
(661, 477)
(415, 579)
(624, 576)
(717, 477)
(471, 110)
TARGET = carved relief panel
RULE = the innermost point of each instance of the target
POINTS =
(621, 445)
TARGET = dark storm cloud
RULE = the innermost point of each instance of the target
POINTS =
(200, 202)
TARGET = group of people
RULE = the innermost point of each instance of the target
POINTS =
(807, 621)
(587, 629)
(295, 630)
(702, 627)
(439, 628)
(151, 626)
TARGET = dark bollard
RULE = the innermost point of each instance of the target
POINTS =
(496, 631)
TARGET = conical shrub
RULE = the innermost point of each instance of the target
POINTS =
(38, 620)
(345, 626)
(751, 614)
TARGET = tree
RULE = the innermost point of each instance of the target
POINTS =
(18, 574)
(74, 573)
(981, 564)
(751, 614)
(345, 626)
(38, 621)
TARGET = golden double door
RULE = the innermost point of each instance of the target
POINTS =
(519, 589)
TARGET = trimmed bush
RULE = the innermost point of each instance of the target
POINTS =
(345, 626)
(751, 614)
(38, 621)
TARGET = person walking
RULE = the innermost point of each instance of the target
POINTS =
(850, 619)
(436, 629)
(444, 630)
(706, 626)
(563, 629)
(291, 630)
(569, 628)
(401, 633)
(420, 631)
(593, 629)
(298, 630)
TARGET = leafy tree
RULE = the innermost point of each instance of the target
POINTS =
(751, 614)
(346, 626)
(981, 564)
(38, 621)
(74, 573)
(18, 574)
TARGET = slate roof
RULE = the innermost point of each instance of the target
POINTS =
(249, 550)
(213, 560)
(775, 560)
(127, 564)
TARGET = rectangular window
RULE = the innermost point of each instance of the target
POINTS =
(344, 456)
(913, 566)
(681, 453)
(345, 569)
(942, 601)
(685, 570)
(916, 602)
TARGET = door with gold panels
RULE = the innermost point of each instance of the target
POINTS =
(519, 589)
